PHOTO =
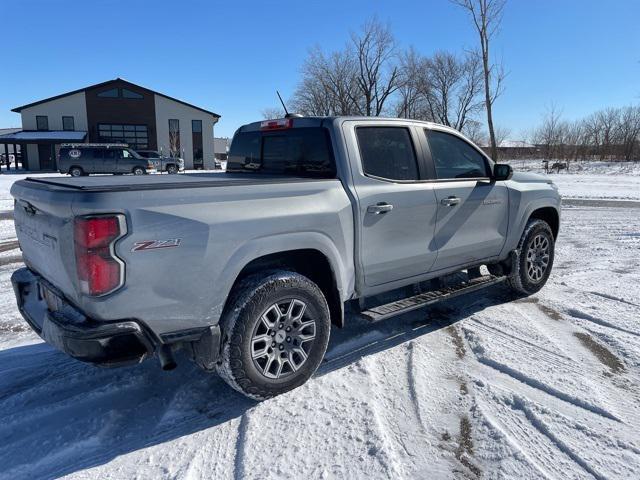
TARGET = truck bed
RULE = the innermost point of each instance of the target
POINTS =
(115, 183)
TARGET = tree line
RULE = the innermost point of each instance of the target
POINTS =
(372, 76)
(608, 134)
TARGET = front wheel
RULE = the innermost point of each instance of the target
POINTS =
(138, 171)
(76, 172)
(534, 258)
(276, 330)
(172, 169)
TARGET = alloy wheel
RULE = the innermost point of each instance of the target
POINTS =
(282, 339)
(538, 255)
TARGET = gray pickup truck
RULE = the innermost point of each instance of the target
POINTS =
(248, 270)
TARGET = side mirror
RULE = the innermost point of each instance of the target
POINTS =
(502, 171)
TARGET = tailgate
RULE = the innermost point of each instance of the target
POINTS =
(44, 225)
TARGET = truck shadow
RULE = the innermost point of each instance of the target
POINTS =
(59, 416)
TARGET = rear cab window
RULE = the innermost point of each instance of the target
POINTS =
(454, 158)
(388, 153)
(302, 152)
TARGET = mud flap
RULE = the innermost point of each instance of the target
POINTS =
(206, 350)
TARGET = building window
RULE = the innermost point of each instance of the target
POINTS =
(174, 137)
(136, 136)
(42, 122)
(68, 124)
(119, 93)
(196, 137)
(130, 94)
(111, 93)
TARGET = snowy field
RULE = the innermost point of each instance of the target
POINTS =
(482, 387)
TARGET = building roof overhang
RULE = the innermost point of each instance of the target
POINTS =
(50, 136)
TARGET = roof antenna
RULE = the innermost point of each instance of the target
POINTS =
(287, 114)
(283, 105)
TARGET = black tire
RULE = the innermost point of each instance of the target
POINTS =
(76, 172)
(529, 272)
(250, 310)
(138, 171)
(172, 169)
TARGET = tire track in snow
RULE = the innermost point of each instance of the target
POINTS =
(613, 298)
(241, 441)
(590, 318)
(539, 353)
(392, 465)
(411, 383)
(538, 385)
(537, 449)
(519, 404)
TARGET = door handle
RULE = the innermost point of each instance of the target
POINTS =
(379, 208)
(450, 201)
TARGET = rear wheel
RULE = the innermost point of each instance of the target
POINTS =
(138, 171)
(76, 172)
(172, 169)
(534, 260)
(276, 332)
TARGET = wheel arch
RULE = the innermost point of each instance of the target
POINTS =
(549, 215)
(310, 262)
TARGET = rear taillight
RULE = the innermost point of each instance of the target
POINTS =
(98, 268)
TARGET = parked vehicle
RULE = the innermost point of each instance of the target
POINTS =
(162, 163)
(81, 159)
(314, 215)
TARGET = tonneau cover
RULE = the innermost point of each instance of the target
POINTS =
(114, 183)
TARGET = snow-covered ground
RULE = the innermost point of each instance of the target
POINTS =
(606, 180)
(486, 386)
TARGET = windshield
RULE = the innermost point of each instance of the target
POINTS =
(296, 151)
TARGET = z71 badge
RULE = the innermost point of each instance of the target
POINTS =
(155, 244)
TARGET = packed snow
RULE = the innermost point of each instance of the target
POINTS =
(485, 386)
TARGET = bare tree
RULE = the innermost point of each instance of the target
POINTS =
(473, 130)
(452, 88)
(377, 75)
(629, 131)
(547, 135)
(328, 85)
(574, 140)
(272, 112)
(411, 89)
(486, 16)
(502, 135)
(358, 80)
(174, 138)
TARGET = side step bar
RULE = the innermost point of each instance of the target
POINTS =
(405, 305)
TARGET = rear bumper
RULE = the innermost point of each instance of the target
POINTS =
(69, 330)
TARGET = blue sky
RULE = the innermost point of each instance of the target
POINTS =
(230, 57)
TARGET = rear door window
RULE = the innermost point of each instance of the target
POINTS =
(296, 151)
(455, 158)
(387, 152)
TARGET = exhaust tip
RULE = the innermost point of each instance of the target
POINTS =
(165, 355)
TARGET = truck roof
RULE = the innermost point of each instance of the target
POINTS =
(302, 122)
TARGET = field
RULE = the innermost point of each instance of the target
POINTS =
(488, 386)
